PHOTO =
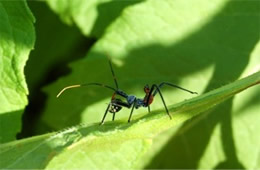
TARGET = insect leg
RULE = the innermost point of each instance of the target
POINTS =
(158, 89)
(113, 118)
(149, 110)
(129, 119)
(172, 85)
(103, 119)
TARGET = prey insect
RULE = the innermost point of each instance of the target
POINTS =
(131, 101)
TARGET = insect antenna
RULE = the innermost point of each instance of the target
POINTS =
(112, 71)
(82, 85)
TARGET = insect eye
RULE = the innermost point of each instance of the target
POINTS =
(146, 88)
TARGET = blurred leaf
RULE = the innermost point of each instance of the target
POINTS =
(49, 50)
(17, 40)
(93, 146)
(92, 17)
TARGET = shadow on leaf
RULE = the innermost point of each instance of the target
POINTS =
(226, 42)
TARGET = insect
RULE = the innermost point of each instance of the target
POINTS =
(131, 101)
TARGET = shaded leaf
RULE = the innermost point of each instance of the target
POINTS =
(145, 56)
(56, 45)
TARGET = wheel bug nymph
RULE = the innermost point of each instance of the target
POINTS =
(132, 102)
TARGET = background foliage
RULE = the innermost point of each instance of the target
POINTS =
(200, 45)
(17, 39)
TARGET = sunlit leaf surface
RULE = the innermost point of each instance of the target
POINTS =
(16, 41)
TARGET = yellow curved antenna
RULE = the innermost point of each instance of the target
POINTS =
(87, 84)
(68, 87)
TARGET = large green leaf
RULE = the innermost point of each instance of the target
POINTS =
(116, 145)
(17, 39)
(160, 53)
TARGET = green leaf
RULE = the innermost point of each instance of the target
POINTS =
(224, 137)
(49, 51)
(152, 56)
(93, 146)
(52, 53)
(92, 17)
(17, 40)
